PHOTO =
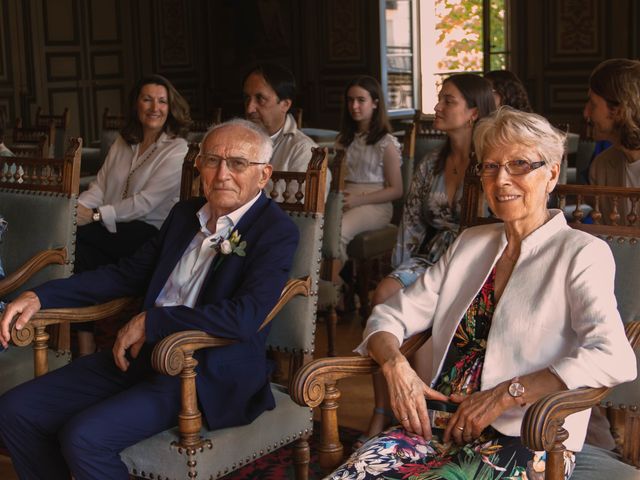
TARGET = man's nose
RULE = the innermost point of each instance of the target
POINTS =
(250, 105)
(223, 171)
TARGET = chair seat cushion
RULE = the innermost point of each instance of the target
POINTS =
(373, 242)
(231, 447)
(16, 365)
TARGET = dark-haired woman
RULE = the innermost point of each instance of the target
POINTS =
(138, 183)
(508, 90)
(373, 160)
(431, 215)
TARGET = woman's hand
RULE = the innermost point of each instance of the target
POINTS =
(407, 393)
(351, 201)
(476, 412)
(85, 215)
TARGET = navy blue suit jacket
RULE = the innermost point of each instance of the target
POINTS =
(237, 294)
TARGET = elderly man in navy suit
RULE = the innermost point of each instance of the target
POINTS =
(217, 265)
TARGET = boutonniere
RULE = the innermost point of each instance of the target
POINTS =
(230, 245)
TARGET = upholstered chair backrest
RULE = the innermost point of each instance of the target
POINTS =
(293, 329)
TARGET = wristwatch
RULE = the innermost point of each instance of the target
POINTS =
(516, 390)
(97, 216)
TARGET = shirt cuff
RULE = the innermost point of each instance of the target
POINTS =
(108, 214)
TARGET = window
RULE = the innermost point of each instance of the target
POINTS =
(437, 38)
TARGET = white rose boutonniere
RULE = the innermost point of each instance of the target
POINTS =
(231, 245)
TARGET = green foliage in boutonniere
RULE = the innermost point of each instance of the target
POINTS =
(231, 245)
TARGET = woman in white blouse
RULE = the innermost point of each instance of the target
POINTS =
(373, 160)
(138, 183)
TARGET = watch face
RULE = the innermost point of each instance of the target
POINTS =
(516, 389)
(96, 217)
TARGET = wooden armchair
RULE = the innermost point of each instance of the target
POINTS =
(200, 126)
(32, 136)
(39, 201)
(190, 450)
(328, 289)
(38, 150)
(60, 123)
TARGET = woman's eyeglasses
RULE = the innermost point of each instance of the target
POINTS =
(236, 165)
(513, 167)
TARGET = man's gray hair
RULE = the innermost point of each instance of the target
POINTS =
(508, 126)
(265, 148)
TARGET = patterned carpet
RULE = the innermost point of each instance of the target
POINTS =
(278, 465)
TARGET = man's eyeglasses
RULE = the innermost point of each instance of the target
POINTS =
(513, 167)
(236, 165)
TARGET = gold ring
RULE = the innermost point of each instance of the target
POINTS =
(404, 419)
(460, 428)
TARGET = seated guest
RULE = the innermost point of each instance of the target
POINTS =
(493, 300)
(613, 109)
(269, 90)
(508, 90)
(373, 157)
(431, 215)
(138, 183)
(75, 420)
(4, 150)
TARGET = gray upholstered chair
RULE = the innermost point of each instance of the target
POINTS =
(39, 243)
(190, 450)
(329, 286)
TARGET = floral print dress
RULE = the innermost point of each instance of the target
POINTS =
(429, 223)
(397, 454)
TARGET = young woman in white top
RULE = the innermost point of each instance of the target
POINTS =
(138, 183)
(373, 160)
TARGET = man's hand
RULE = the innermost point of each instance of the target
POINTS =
(130, 336)
(22, 309)
(85, 215)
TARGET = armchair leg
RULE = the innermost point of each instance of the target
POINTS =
(332, 321)
(301, 458)
(330, 450)
(554, 469)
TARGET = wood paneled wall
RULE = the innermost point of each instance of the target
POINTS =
(86, 54)
(556, 44)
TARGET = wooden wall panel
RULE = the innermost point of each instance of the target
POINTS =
(61, 22)
(557, 43)
(7, 98)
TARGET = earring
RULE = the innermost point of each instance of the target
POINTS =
(471, 122)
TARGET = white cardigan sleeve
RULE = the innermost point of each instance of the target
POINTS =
(603, 357)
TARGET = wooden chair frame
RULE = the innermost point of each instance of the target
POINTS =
(61, 175)
(33, 135)
(59, 121)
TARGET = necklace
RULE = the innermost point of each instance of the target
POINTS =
(146, 157)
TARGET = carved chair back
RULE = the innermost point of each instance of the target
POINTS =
(60, 123)
(33, 136)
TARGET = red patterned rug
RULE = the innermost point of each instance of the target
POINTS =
(278, 465)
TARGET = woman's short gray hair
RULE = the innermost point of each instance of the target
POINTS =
(265, 149)
(508, 126)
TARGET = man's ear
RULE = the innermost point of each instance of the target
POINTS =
(265, 175)
(285, 104)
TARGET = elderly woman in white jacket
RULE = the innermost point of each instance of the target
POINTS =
(518, 310)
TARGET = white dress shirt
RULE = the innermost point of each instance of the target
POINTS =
(185, 282)
(154, 186)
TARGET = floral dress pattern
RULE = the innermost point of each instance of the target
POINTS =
(429, 223)
(397, 454)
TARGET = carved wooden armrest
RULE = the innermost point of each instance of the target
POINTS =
(173, 355)
(36, 263)
(542, 426)
(35, 330)
(315, 384)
